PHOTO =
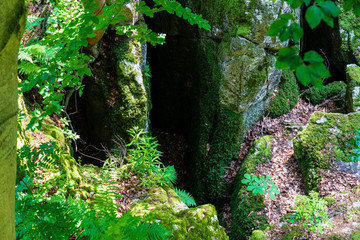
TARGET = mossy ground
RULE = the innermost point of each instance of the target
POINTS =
(244, 205)
(60, 154)
(165, 207)
(287, 96)
(323, 142)
(318, 95)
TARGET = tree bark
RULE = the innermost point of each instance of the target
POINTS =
(12, 23)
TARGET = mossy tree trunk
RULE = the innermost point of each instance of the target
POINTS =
(13, 16)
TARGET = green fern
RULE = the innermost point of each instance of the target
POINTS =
(185, 197)
(32, 21)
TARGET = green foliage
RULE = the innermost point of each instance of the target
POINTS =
(311, 68)
(287, 96)
(46, 210)
(260, 185)
(56, 64)
(311, 212)
(185, 197)
(258, 235)
(143, 152)
(355, 154)
(318, 95)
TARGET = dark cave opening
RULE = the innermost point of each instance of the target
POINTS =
(90, 110)
(174, 91)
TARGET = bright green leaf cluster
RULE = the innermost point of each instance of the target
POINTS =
(355, 155)
(311, 69)
(57, 64)
(260, 185)
(321, 10)
(312, 212)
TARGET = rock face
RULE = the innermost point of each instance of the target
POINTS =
(325, 140)
(166, 208)
(353, 88)
(58, 151)
(118, 96)
(212, 86)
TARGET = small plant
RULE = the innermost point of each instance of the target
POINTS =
(185, 197)
(311, 212)
(355, 155)
(143, 152)
(260, 185)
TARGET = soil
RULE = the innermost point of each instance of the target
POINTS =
(288, 178)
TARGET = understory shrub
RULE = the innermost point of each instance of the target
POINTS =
(318, 95)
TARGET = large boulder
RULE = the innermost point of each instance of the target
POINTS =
(54, 150)
(325, 140)
(118, 97)
(211, 87)
(165, 207)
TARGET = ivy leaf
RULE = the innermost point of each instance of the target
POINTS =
(330, 7)
(327, 18)
(271, 195)
(295, 3)
(307, 2)
(313, 16)
(296, 32)
(276, 27)
(304, 75)
(288, 58)
(313, 57)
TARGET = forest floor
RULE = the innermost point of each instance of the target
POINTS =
(288, 178)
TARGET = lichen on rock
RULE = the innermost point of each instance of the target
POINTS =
(353, 88)
(325, 139)
(161, 205)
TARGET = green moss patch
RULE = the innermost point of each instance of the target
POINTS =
(287, 96)
(318, 95)
(236, 11)
(244, 205)
(353, 88)
(325, 139)
(165, 207)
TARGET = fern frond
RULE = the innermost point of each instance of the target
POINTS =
(27, 68)
(185, 197)
(24, 55)
(169, 174)
(32, 21)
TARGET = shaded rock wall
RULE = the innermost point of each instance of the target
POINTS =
(212, 86)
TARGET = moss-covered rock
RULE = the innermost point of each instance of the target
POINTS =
(244, 205)
(325, 139)
(59, 152)
(258, 235)
(118, 94)
(220, 84)
(165, 207)
(318, 95)
(356, 235)
(286, 97)
(353, 88)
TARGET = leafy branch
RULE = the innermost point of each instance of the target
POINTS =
(260, 185)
